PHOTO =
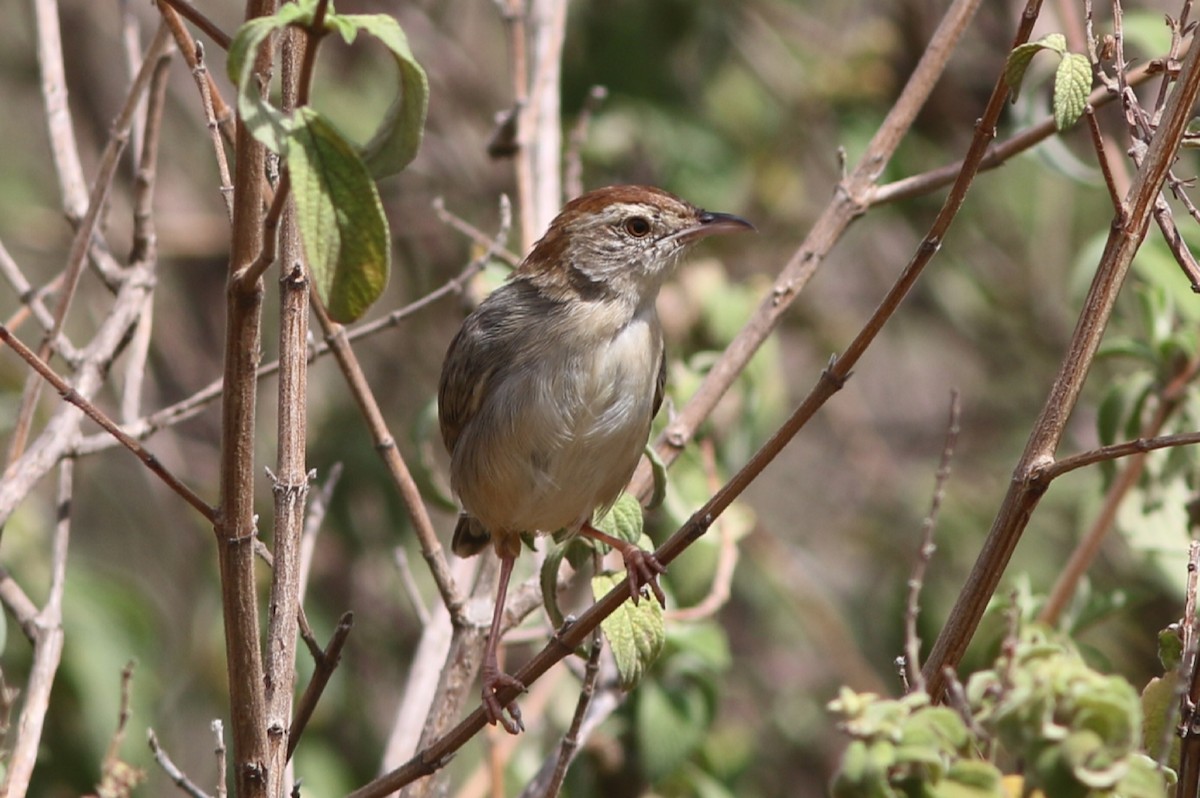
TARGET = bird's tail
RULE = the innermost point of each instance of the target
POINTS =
(470, 536)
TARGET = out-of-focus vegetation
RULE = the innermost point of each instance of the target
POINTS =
(737, 106)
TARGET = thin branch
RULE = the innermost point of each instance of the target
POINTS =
(1027, 485)
(570, 741)
(409, 583)
(851, 200)
(573, 179)
(73, 396)
(385, 445)
(727, 554)
(177, 776)
(493, 243)
(219, 752)
(97, 200)
(326, 664)
(197, 18)
(912, 607)
(48, 638)
(197, 402)
(997, 155)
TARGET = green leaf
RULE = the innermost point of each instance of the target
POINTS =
(549, 581)
(264, 121)
(340, 217)
(1072, 82)
(623, 521)
(658, 470)
(396, 142)
(635, 632)
(1019, 58)
(671, 725)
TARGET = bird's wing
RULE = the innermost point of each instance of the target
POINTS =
(660, 384)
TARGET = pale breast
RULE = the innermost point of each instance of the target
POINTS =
(555, 441)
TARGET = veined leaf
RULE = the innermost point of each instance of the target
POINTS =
(340, 216)
(1072, 82)
(1019, 58)
(636, 633)
(396, 142)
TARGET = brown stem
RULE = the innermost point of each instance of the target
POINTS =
(912, 609)
(73, 396)
(197, 18)
(850, 201)
(1027, 486)
(385, 444)
(326, 664)
(235, 528)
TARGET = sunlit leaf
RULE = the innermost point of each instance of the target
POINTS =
(635, 632)
(1019, 58)
(264, 121)
(1072, 83)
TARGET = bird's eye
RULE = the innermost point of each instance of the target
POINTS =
(637, 226)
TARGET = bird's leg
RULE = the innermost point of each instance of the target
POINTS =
(492, 677)
(642, 567)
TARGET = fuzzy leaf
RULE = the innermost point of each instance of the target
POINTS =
(1072, 82)
(623, 520)
(635, 632)
(396, 142)
(340, 216)
(264, 121)
(1019, 58)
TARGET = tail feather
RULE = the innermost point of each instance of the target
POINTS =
(470, 536)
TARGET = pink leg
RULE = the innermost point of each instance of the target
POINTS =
(642, 566)
(492, 677)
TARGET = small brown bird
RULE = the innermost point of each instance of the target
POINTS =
(548, 390)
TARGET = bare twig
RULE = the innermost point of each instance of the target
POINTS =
(73, 396)
(219, 752)
(912, 643)
(194, 404)
(851, 200)
(177, 776)
(109, 161)
(1027, 486)
(409, 583)
(570, 741)
(197, 18)
(385, 444)
(48, 640)
(326, 664)
(727, 554)
(573, 180)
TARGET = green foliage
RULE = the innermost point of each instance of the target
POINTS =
(635, 632)
(1072, 80)
(1075, 731)
(340, 215)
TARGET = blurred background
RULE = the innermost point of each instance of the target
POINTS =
(737, 106)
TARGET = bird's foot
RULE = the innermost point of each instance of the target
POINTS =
(494, 680)
(643, 569)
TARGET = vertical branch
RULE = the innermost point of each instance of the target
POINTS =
(1026, 488)
(541, 132)
(235, 528)
(47, 650)
(291, 480)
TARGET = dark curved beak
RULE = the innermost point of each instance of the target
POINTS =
(710, 223)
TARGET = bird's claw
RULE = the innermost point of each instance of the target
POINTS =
(494, 680)
(643, 569)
